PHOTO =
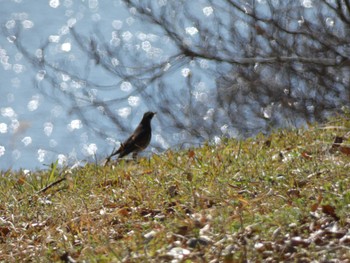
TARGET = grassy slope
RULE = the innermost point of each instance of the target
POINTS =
(282, 197)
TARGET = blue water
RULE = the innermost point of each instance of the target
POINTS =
(39, 121)
(36, 130)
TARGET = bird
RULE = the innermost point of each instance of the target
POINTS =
(138, 140)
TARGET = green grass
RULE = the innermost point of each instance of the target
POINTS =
(285, 197)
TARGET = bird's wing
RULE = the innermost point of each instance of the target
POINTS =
(137, 141)
(125, 145)
(131, 144)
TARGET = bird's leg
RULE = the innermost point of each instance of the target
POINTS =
(134, 156)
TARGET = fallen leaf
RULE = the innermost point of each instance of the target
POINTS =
(191, 154)
(4, 230)
(345, 150)
(314, 207)
(183, 230)
(123, 211)
(293, 193)
(298, 241)
(306, 155)
(330, 210)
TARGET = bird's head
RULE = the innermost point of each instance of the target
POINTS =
(147, 117)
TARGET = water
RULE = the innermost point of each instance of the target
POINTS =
(78, 106)
(35, 129)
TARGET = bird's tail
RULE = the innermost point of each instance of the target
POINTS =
(105, 161)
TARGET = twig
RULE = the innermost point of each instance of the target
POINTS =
(51, 185)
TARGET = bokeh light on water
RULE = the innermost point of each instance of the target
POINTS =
(73, 86)
(36, 130)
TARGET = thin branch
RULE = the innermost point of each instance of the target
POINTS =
(51, 185)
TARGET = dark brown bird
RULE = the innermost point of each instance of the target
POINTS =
(138, 140)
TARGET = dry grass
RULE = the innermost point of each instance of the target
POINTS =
(279, 198)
